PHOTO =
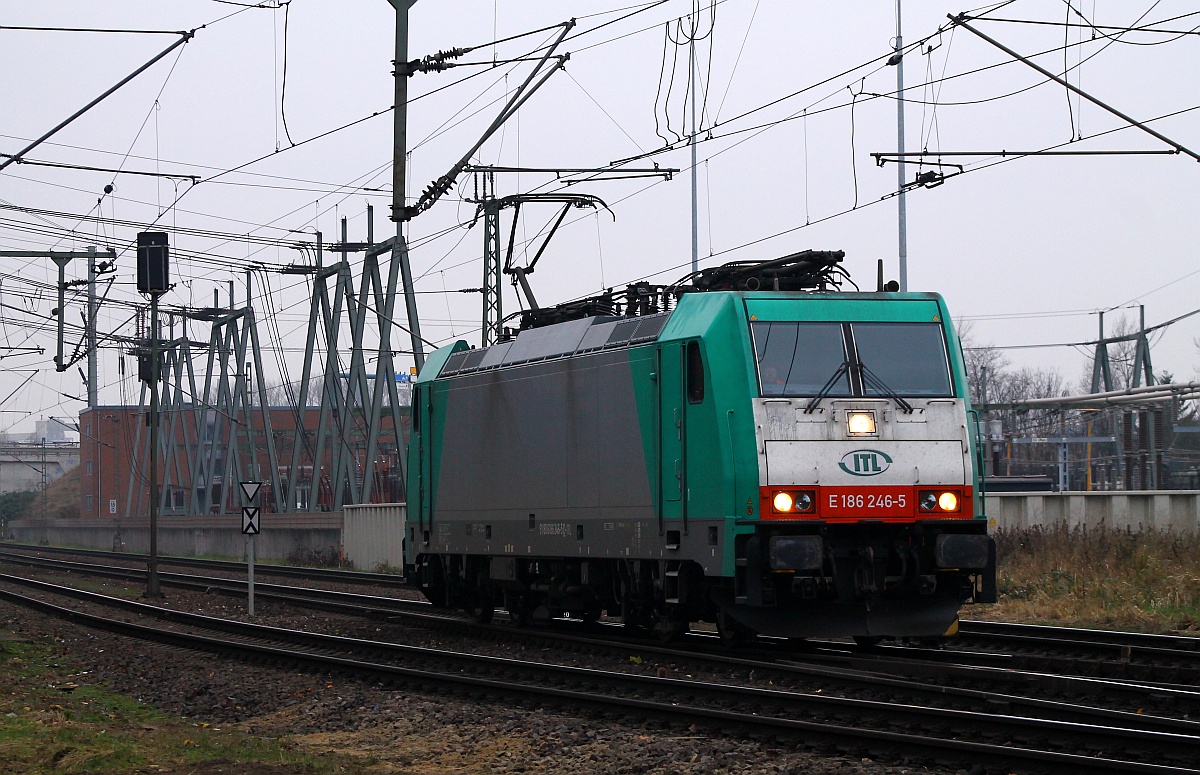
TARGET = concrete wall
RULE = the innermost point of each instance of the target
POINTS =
(373, 535)
(219, 535)
(1174, 510)
(21, 464)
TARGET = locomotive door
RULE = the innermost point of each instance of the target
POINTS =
(672, 433)
(422, 413)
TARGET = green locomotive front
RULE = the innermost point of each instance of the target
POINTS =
(795, 462)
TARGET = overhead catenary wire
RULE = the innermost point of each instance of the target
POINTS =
(787, 231)
(709, 135)
(90, 29)
(287, 10)
(183, 39)
(1103, 28)
(190, 165)
(424, 292)
(1182, 149)
(737, 60)
(646, 6)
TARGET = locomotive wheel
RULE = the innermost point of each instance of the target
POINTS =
(482, 606)
(733, 633)
(433, 582)
(633, 618)
(669, 632)
(669, 627)
(482, 612)
(520, 612)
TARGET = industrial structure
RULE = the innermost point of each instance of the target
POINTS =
(203, 455)
(334, 438)
(1130, 438)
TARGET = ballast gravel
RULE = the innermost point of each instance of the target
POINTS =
(392, 729)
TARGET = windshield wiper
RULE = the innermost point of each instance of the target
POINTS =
(816, 400)
(872, 380)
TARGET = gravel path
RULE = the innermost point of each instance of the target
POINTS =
(394, 730)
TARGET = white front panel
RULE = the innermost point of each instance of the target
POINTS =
(929, 445)
(865, 462)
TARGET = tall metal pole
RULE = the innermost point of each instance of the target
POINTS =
(400, 112)
(152, 586)
(92, 382)
(45, 478)
(399, 166)
(493, 289)
(695, 209)
(903, 210)
(61, 260)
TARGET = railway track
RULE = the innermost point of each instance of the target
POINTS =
(936, 734)
(331, 575)
(1017, 680)
(1124, 648)
(1128, 648)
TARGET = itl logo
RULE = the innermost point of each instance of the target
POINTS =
(865, 462)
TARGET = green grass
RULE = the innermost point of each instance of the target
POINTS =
(1145, 580)
(53, 720)
(113, 589)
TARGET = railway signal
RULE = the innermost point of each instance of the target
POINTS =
(250, 528)
(153, 278)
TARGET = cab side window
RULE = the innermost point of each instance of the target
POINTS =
(695, 374)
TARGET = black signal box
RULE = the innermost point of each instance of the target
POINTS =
(146, 371)
(153, 262)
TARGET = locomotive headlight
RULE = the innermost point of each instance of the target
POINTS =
(860, 423)
(787, 504)
(940, 501)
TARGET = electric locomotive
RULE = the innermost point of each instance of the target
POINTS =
(752, 447)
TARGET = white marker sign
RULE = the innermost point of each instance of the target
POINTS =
(250, 524)
(250, 489)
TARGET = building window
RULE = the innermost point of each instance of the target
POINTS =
(89, 469)
(90, 503)
(87, 429)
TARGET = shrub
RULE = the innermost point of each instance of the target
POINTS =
(1135, 579)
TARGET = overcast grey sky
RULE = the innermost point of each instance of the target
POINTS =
(1027, 249)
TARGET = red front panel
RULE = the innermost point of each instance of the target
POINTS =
(866, 502)
(888, 503)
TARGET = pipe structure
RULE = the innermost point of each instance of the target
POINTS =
(1108, 398)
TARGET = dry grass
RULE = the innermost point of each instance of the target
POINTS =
(1145, 581)
(62, 497)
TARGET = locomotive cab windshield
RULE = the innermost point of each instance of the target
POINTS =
(864, 359)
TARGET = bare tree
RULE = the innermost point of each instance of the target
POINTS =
(985, 364)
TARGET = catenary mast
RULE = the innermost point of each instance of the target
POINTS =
(399, 152)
